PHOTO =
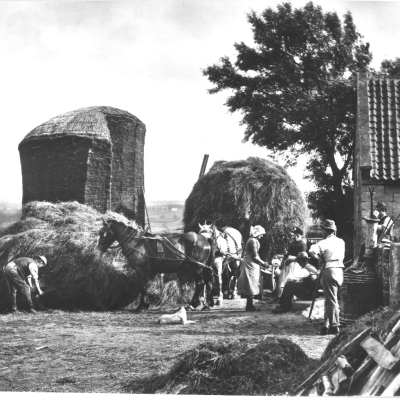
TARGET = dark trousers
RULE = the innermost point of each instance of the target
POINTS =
(298, 289)
(17, 283)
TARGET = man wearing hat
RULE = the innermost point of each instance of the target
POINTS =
(330, 254)
(249, 282)
(289, 265)
(19, 274)
(385, 221)
(302, 288)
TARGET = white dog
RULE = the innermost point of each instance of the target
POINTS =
(177, 318)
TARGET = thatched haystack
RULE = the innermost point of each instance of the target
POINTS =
(244, 193)
(93, 155)
(251, 366)
(67, 234)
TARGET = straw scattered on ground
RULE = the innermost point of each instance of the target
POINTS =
(248, 366)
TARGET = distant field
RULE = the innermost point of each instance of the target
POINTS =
(165, 220)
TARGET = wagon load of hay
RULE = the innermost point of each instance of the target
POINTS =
(250, 366)
(245, 193)
(66, 233)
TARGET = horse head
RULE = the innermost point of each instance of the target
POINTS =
(106, 235)
(113, 230)
(206, 230)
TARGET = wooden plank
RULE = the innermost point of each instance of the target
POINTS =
(392, 388)
(328, 386)
(379, 353)
(313, 391)
(338, 377)
(329, 363)
(344, 365)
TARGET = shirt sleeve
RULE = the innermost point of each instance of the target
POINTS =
(315, 248)
(33, 269)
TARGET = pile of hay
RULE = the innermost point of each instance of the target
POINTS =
(244, 193)
(379, 320)
(67, 234)
(250, 366)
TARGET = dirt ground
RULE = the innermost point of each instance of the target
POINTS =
(102, 352)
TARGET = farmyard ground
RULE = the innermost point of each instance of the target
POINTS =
(103, 352)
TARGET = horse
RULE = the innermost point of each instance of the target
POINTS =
(151, 254)
(228, 248)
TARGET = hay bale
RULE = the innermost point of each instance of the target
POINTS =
(250, 366)
(244, 193)
(67, 234)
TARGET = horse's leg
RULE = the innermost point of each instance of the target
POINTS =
(235, 270)
(218, 271)
(208, 278)
(199, 289)
(143, 280)
(225, 277)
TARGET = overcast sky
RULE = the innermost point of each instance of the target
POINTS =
(144, 57)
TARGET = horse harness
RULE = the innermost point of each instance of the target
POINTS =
(161, 241)
(228, 253)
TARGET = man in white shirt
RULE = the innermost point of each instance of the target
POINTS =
(330, 254)
(19, 274)
(302, 286)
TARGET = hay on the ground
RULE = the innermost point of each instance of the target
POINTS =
(244, 193)
(67, 234)
(250, 366)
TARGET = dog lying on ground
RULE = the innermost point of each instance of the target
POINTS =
(179, 317)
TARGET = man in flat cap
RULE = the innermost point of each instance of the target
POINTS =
(289, 265)
(303, 288)
(19, 275)
(330, 254)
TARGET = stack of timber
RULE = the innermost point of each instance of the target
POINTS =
(364, 366)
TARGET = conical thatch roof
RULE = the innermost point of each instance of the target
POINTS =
(244, 193)
(88, 122)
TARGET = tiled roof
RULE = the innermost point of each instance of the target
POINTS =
(384, 127)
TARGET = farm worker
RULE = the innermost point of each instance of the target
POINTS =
(289, 264)
(19, 274)
(303, 288)
(385, 222)
(249, 282)
(330, 254)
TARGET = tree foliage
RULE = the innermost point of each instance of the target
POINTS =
(295, 87)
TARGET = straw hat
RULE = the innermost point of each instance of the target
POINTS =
(257, 231)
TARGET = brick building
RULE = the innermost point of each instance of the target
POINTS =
(92, 155)
(377, 149)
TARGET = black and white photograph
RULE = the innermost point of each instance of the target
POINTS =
(200, 197)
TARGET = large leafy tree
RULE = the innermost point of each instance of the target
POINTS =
(295, 87)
